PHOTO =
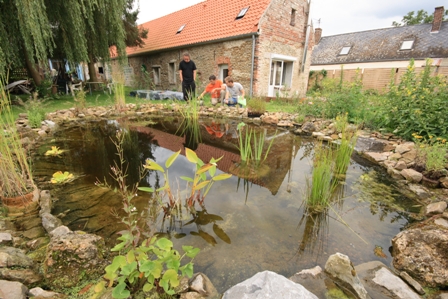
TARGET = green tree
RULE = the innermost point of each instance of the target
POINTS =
(78, 30)
(412, 18)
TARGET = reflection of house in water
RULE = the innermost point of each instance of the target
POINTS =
(279, 159)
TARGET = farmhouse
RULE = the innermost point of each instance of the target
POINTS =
(263, 44)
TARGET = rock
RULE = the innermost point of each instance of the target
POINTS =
(5, 239)
(409, 157)
(405, 147)
(442, 296)
(309, 127)
(25, 276)
(270, 119)
(442, 222)
(60, 231)
(444, 182)
(313, 272)
(411, 281)
(73, 257)
(39, 292)
(14, 257)
(376, 157)
(435, 208)
(394, 173)
(411, 175)
(45, 202)
(50, 222)
(395, 157)
(201, 284)
(364, 144)
(315, 281)
(421, 252)
(429, 182)
(12, 290)
(268, 284)
(400, 165)
(420, 191)
(380, 282)
(340, 268)
(385, 278)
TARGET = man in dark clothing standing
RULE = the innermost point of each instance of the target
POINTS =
(187, 72)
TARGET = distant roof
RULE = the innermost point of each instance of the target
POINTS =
(382, 45)
(206, 21)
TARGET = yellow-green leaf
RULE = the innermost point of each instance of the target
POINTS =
(222, 176)
(191, 156)
(204, 168)
(151, 165)
(201, 185)
(171, 159)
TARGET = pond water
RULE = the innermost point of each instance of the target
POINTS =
(245, 225)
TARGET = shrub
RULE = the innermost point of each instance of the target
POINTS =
(418, 104)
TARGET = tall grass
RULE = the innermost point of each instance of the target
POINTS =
(15, 172)
(252, 144)
(348, 141)
(320, 190)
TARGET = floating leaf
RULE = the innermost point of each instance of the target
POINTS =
(206, 237)
(221, 234)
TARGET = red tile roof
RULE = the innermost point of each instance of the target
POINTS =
(206, 21)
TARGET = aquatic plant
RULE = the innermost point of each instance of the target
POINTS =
(253, 153)
(431, 152)
(199, 185)
(345, 149)
(322, 185)
(60, 177)
(15, 171)
(55, 152)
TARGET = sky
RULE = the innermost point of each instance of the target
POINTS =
(333, 16)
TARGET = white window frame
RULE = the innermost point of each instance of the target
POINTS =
(285, 61)
(345, 50)
(242, 13)
(407, 45)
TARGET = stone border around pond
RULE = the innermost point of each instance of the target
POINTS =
(394, 154)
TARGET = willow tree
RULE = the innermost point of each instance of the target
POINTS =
(25, 34)
(76, 30)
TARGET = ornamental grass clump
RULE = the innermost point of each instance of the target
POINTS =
(16, 177)
(345, 149)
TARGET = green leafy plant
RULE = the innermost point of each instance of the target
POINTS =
(55, 152)
(34, 110)
(60, 177)
(80, 99)
(15, 171)
(431, 152)
(118, 88)
(199, 185)
(417, 104)
(252, 153)
(153, 264)
(345, 149)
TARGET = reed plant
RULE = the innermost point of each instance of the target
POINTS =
(16, 177)
(251, 145)
(34, 109)
(322, 185)
(344, 152)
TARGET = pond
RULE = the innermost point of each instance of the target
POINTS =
(244, 226)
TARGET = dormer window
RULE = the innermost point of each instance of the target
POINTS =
(345, 50)
(407, 45)
(180, 29)
(242, 13)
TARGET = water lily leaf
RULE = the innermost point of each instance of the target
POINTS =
(191, 156)
(222, 176)
(221, 234)
(171, 159)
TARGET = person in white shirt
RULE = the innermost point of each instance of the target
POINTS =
(233, 91)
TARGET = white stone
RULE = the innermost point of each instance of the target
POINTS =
(394, 284)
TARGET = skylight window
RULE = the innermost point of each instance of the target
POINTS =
(345, 50)
(180, 29)
(242, 13)
(407, 45)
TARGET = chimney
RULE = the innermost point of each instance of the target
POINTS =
(438, 16)
(317, 35)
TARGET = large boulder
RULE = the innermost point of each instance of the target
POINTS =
(72, 257)
(268, 284)
(12, 290)
(422, 253)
